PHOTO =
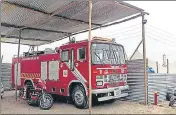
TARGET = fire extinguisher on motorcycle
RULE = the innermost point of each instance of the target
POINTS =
(37, 95)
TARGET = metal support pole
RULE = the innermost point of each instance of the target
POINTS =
(157, 67)
(0, 68)
(144, 57)
(136, 50)
(17, 75)
(90, 76)
(164, 60)
(32, 49)
(37, 48)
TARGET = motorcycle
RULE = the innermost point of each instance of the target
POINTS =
(36, 95)
(172, 102)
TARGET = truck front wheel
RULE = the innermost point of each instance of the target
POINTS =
(79, 97)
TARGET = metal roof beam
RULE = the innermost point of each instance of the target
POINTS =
(29, 8)
(13, 43)
(31, 39)
(30, 28)
(104, 26)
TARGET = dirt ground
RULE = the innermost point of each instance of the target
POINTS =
(10, 106)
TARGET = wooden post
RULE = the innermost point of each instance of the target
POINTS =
(90, 76)
(157, 67)
(0, 66)
(167, 66)
(17, 75)
(144, 57)
(2, 58)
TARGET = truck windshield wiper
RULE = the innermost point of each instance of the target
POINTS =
(117, 60)
(99, 58)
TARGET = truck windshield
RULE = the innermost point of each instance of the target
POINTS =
(106, 53)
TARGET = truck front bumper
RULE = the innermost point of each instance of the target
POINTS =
(111, 93)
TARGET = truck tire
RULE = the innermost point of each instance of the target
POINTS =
(94, 100)
(46, 105)
(79, 97)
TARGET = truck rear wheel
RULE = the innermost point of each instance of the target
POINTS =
(79, 97)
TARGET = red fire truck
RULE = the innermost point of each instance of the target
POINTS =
(64, 72)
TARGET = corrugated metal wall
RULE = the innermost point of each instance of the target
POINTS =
(160, 83)
(155, 82)
(6, 75)
(136, 80)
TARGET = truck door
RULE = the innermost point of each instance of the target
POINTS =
(81, 63)
(76, 66)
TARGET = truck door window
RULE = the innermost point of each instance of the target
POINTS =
(81, 54)
(64, 55)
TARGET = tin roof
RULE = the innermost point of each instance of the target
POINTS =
(46, 21)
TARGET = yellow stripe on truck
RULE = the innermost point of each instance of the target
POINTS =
(30, 75)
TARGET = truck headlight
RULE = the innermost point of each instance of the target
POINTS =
(123, 77)
(105, 78)
(99, 77)
(99, 83)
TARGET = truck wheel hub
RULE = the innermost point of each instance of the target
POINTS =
(79, 97)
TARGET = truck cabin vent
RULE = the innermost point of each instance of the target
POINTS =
(62, 90)
(53, 89)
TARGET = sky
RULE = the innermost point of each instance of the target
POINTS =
(160, 33)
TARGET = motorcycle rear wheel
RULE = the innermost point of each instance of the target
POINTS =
(45, 103)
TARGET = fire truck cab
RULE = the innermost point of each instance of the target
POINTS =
(65, 70)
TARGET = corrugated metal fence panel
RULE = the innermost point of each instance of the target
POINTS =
(6, 75)
(136, 80)
(160, 83)
(155, 82)
(171, 81)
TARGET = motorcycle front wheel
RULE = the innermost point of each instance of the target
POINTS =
(45, 101)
